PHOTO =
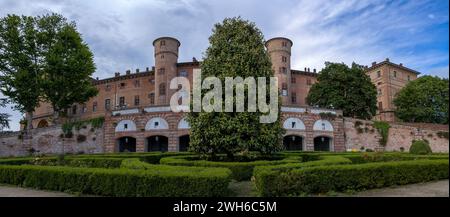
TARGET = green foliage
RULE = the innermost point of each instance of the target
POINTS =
(94, 122)
(236, 49)
(165, 182)
(240, 170)
(424, 100)
(4, 118)
(21, 65)
(347, 88)
(420, 147)
(383, 129)
(69, 64)
(341, 178)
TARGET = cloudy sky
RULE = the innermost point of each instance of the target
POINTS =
(120, 32)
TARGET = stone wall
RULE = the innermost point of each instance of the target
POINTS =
(49, 140)
(360, 134)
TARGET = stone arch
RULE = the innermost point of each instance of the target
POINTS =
(157, 123)
(293, 142)
(125, 125)
(183, 124)
(294, 124)
(323, 125)
(126, 144)
(157, 143)
(323, 143)
(42, 123)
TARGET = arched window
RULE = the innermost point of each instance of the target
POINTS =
(183, 124)
(125, 125)
(156, 124)
(293, 124)
(323, 125)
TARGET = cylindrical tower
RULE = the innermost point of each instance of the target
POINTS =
(166, 58)
(279, 50)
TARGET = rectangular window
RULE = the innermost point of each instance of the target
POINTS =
(293, 80)
(74, 110)
(94, 107)
(136, 100)
(293, 97)
(152, 98)
(283, 59)
(409, 78)
(284, 44)
(107, 104)
(183, 74)
(162, 43)
(122, 85)
(283, 70)
(84, 109)
(379, 92)
(137, 83)
(108, 87)
(378, 74)
(162, 89)
(161, 71)
(122, 101)
(395, 74)
(380, 106)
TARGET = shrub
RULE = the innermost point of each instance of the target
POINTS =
(166, 182)
(339, 178)
(420, 147)
(383, 129)
(240, 170)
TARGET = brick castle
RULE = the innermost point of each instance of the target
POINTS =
(138, 117)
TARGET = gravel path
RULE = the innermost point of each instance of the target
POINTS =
(429, 189)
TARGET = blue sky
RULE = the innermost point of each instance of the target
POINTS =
(120, 33)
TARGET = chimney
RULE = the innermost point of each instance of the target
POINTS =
(96, 78)
(117, 74)
(305, 69)
(308, 70)
(314, 70)
(194, 59)
(374, 63)
(146, 69)
(137, 70)
(128, 72)
(387, 59)
(153, 68)
(401, 64)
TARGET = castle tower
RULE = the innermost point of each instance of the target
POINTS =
(279, 50)
(166, 58)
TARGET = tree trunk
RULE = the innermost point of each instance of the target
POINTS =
(29, 125)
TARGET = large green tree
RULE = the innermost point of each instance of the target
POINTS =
(21, 63)
(347, 88)
(423, 100)
(236, 49)
(68, 64)
(4, 117)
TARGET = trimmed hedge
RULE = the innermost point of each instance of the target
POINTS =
(240, 170)
(93, 162)
(149, 157)
(420, 147)
(321, 179)
(164, 182)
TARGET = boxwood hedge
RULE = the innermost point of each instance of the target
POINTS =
(321, 179)
(240, 170)
(164, 181)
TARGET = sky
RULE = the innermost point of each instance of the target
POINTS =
(120, 32)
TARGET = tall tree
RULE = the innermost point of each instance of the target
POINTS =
(423, 100)
(236, 49)
(345, 88)
(4, 118)
(21, 63)
(68, 64)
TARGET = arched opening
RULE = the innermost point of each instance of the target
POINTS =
(157, 143)
(293, 143)
(322, 143)
(157, 124)
(127, 144)
(183, 142)
(125, 125)
(42, 123)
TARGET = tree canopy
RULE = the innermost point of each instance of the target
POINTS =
(346, 88)
(236, 49)
(423, 100)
